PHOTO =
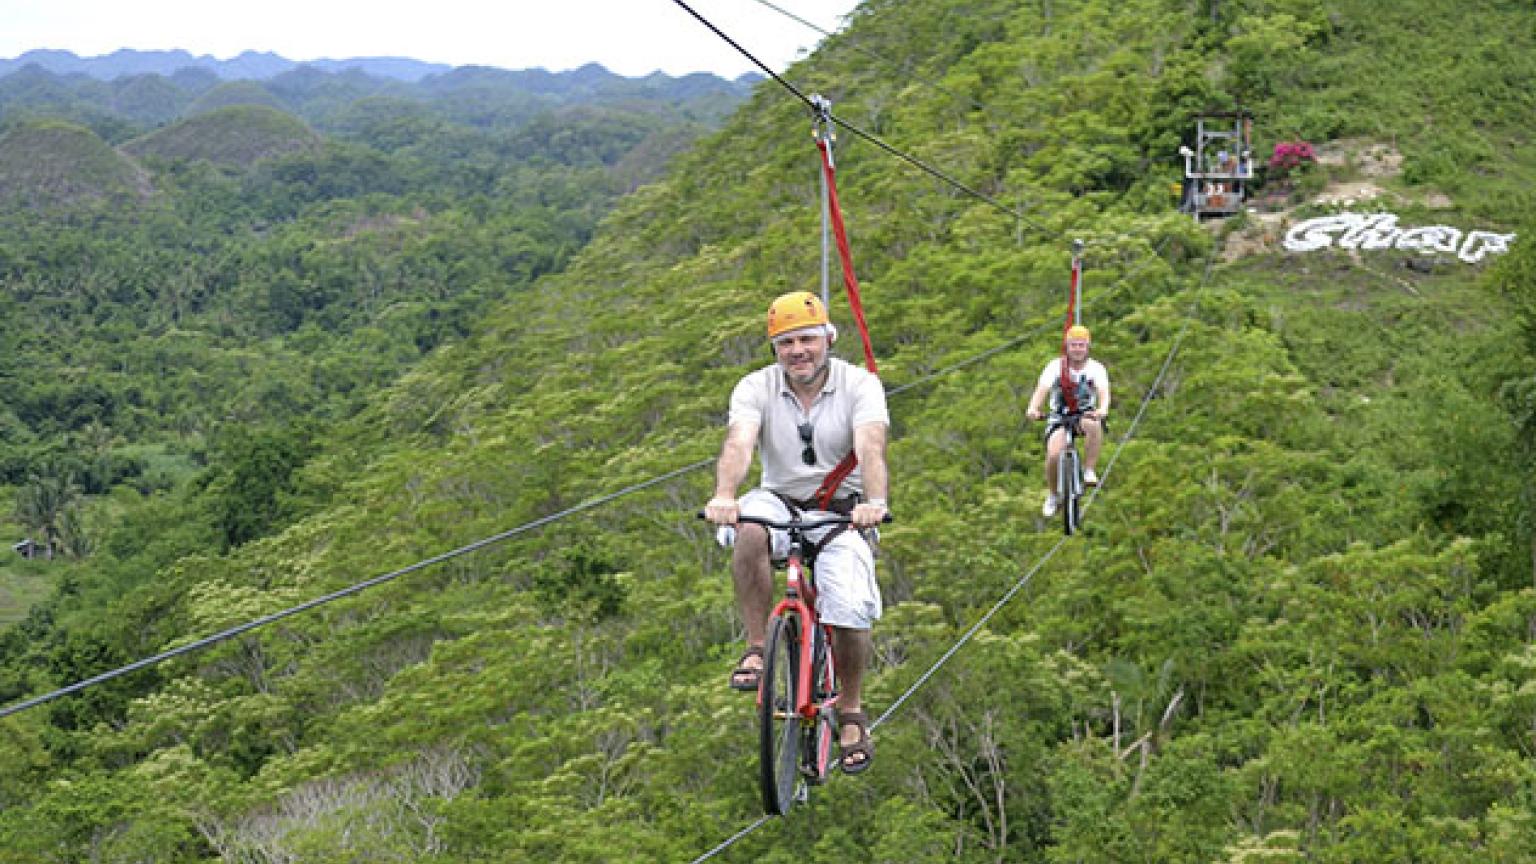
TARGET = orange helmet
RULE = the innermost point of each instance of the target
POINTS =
(793, 311)
(1078, 331)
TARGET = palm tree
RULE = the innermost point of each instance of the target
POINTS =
(42, 504)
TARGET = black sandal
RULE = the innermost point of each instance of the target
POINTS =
(745, 677)
(864, 748)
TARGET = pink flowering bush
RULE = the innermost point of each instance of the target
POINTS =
(1290, 155)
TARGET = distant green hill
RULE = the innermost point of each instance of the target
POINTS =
(47, 163)
(125, 63)
(318, 93)
(147, 99)
(239, 136)
(233, 93)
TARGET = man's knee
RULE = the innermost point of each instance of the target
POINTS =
(858, 639)
(751, 543)
(854, 635)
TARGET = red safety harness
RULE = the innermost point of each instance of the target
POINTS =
(828, 489)
(1068, 387)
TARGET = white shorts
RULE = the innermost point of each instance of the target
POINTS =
(847, 593)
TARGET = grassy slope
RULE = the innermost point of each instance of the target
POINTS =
(20, 588)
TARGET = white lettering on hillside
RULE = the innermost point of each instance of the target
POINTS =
(1380, 231)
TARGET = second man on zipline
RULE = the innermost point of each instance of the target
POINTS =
(808, 410)
(1089, 396)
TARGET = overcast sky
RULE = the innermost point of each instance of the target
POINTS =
(630, 37)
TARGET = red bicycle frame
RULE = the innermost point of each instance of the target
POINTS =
(800, 601)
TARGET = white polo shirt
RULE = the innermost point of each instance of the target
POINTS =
(1089, 380)
(851, 397)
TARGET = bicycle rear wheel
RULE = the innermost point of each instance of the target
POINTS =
(778, 724)
(1070, 484)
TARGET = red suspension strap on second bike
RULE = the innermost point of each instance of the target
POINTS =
(828, 489)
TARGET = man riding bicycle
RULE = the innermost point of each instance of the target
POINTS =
(1089, 395)
(808, 410)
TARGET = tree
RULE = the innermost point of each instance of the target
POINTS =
(252, 484)
(1515, 278)
(46, 506)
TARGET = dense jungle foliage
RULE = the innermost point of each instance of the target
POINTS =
(190, 303)
(1300, 624)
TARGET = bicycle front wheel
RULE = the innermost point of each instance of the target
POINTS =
(778, 724)
(1070, 485)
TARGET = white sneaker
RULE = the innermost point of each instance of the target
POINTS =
(1048, 509)
(1090, 478)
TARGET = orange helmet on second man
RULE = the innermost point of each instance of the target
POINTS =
(793, 311)
(1078, 331)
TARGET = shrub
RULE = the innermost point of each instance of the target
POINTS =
(1290, 155)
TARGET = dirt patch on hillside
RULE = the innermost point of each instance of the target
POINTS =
(1350, 193)
(1370, 158)
(1263, 235)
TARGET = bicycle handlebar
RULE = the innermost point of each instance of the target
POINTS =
(1065, 414)
(802, 525)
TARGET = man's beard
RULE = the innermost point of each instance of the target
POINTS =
(811, 378)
